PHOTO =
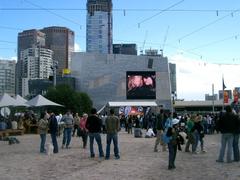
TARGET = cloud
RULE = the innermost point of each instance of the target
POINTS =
(77, 47)
(14, 58)
(10, 59)
(195, 78)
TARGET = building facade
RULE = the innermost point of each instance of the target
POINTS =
(58, 39)
(128, 49)
(61, 41)
(99, 26)
(7, 77)
(36, 64)
(104, 76)
(26, 39)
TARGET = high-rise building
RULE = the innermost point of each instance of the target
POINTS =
(27, 39)
(128, 49)
(7, 77)
(99, 26)
(61, 41)
(36, 64)
(30, 38)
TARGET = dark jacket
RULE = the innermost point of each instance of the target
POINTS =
(159, 123)
(93, 124)
(53, 124)
(228, 123)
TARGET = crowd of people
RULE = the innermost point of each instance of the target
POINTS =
(171, 131)
(85, 126)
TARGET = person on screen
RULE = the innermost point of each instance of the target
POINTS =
(135, 82)
(140, 87)
(148, 81)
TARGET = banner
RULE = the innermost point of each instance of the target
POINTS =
(225, 96)
(235, 95)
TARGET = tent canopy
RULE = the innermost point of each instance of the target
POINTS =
(132, 103)
(39, 100)
(20, 101)
(6, 100)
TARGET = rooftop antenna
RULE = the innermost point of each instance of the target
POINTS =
(144, 42)
(164, 41)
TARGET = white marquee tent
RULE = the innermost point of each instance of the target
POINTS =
(6, 100)
(41, 101)
(20, 101)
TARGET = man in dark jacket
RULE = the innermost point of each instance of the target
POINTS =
(53, 129)
(94, 125)
(227, 125)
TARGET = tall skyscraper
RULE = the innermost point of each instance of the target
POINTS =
(99, 26)
(61, 41)
(26, 39)
(7, 77)
(36, 64)
(58, 39)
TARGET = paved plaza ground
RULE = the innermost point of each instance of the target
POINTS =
(138, 161)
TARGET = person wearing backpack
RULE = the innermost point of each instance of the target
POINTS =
(171, 138)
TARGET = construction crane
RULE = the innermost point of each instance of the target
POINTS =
(144, 42)
(164, 41)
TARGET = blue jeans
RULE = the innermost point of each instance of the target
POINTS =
(54, 142)
(196, 137)
(226, 139)
(172, 149)
(42, 143)
(67, 135)
(235, 147)
(110, 137)
(97, 137)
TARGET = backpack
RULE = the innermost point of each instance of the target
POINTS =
(167, 134)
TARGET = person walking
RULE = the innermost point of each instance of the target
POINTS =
(198, 134)
(112, 127)
(68, 125)
(83, 131)
(160, 129)
(227, 126)
(190, 134)
(76, 124)
(53, 129)
(43, 129)
(94, 125)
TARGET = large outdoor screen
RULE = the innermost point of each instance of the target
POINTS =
(141, 84)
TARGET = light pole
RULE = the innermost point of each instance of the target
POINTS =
(54, 69)
(174, 95)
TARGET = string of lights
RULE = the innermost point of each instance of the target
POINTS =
(216, 11)
(159, 11)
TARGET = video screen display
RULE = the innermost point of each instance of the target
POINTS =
(141, 84)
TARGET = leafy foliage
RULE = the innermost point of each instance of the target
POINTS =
(75, 101)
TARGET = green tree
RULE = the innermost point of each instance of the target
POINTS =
(72, 100)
